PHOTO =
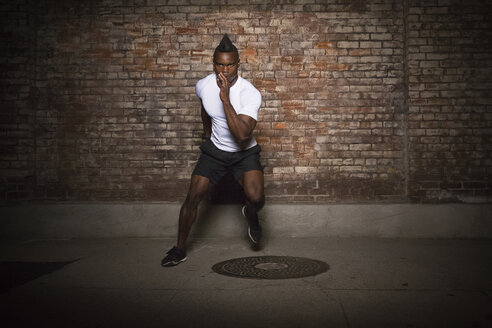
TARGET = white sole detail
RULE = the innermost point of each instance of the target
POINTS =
(249, 229)
(174, 263)
(251, 238)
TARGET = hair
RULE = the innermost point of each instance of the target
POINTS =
(226, 45)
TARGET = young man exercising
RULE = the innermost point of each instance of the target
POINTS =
(229, 110)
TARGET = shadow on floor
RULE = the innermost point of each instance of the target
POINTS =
(13, 274)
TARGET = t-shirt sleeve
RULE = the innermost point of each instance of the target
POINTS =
(200, 86)
(250, 102)
(198, 89)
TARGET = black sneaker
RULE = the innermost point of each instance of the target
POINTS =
(254, 229)
(174, 257)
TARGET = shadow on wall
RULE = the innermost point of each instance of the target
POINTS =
(227, 191)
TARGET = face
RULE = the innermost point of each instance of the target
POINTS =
(226, 63)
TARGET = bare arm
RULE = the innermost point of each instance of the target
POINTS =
(241, 126)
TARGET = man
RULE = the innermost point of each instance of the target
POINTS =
(229, 110)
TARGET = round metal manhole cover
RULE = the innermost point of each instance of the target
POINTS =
(271, 267)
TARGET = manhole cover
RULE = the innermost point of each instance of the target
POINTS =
(271, 267)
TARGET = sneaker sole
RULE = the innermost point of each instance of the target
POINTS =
(251, 237)
(249, 229)
(174, 263)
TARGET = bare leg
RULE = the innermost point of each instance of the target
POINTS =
(254, 190)
(253, 185)
(187, 215)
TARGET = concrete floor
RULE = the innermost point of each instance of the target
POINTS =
(372, 282)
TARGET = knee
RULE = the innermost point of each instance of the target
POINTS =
(192, 201)
(257, 199)
(196, 193)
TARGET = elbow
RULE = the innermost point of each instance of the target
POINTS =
(243, 142)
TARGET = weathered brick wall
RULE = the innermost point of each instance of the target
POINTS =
(450, 104)
(385, 100)
(17, 143)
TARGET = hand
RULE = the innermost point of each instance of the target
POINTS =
(224, 87)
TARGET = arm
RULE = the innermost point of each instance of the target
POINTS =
(207, 124)
(241, 126)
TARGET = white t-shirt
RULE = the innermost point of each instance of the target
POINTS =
(245, 99)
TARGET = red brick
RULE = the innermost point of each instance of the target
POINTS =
(114, 115)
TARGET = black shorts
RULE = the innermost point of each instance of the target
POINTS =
(215, 163)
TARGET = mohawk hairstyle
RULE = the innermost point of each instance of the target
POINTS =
(226, 45)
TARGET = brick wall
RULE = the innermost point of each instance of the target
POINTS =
(17, 78)
(385, 100)
(450, 103)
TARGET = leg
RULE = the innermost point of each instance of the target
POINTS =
(187, 215)
(252, 182)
